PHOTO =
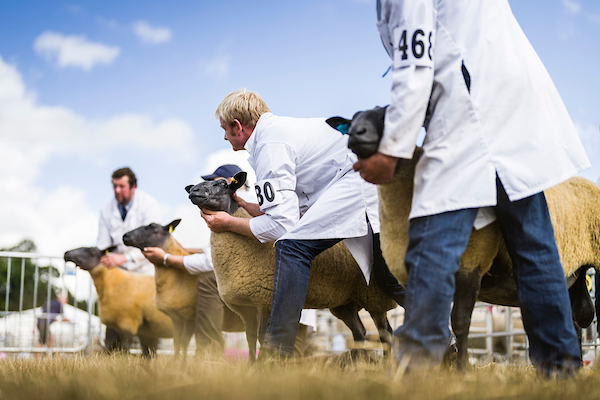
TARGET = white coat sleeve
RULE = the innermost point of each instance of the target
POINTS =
(275, 189)
(412, 28)
(198, 263)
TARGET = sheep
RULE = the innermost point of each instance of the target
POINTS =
(245, 269)
(175, 288)
(486, 268)
(125, 301)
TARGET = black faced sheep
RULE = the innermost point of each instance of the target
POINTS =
(245, 268)
(125, 301)
(175, 288)
(486, 269)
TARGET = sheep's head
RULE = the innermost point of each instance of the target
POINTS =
(217, 195)
(153, 235)
(87, 258)
(365, 130)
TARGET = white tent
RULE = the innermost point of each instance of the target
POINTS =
(69, 330)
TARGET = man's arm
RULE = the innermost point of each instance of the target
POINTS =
(412, 29)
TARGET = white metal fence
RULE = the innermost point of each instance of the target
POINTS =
(71, 331)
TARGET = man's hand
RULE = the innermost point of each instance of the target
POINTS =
(112, 260)
(154, 254)
(240, 202)
(252, 208)
(378, 168)
(217, 221)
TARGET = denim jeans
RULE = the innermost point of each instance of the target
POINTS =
(293, 259)
(436, 244)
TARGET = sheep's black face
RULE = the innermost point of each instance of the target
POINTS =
(211, 195)
(86, 258)
(365, 130)
(153, 235)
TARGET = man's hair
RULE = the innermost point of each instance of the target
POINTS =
(121, 172)
(245, 106)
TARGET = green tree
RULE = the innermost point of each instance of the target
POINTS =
(28, 266)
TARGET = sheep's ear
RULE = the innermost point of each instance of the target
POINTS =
(237, 181)
(188, 188)
(339, 123)
(171, 227)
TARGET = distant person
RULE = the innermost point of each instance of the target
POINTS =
(50, 312)
(129, 209)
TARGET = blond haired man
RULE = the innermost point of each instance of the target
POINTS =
(309, 199)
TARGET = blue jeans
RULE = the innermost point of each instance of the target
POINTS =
(293, 259)
(436, 244)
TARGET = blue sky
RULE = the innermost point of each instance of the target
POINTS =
(90, 86)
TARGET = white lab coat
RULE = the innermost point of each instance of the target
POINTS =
(144, 210)
(512, 122)
(307, 188)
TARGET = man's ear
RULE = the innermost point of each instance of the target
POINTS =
(237, 127)
(171, 227)
(339, 123)
(237, 181)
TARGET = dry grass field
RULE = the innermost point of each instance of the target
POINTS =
(130, 377)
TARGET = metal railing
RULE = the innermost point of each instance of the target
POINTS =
(72, 330)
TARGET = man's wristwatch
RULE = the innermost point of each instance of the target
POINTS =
(165, 259)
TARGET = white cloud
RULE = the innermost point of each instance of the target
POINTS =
(573, 7)
(31, 134)
(217, 68)
(74, 51)
(594, 18)
(151, 34)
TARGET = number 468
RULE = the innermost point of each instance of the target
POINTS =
(418, 47)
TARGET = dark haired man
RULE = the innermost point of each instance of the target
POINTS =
(129, 209)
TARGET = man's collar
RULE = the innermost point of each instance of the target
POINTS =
(251, 142)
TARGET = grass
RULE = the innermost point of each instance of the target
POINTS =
(130, 377)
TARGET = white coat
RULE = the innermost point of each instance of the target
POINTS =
(144, 210)
(491, 106)
(307, 188)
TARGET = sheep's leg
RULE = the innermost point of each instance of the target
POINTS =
(582, 305)
(149, 346)
(384, 328)
(348, 313)
(467, 288)
(263, 319)
(250, 317)
(177, 333)
(186, 335)
(126, 340)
